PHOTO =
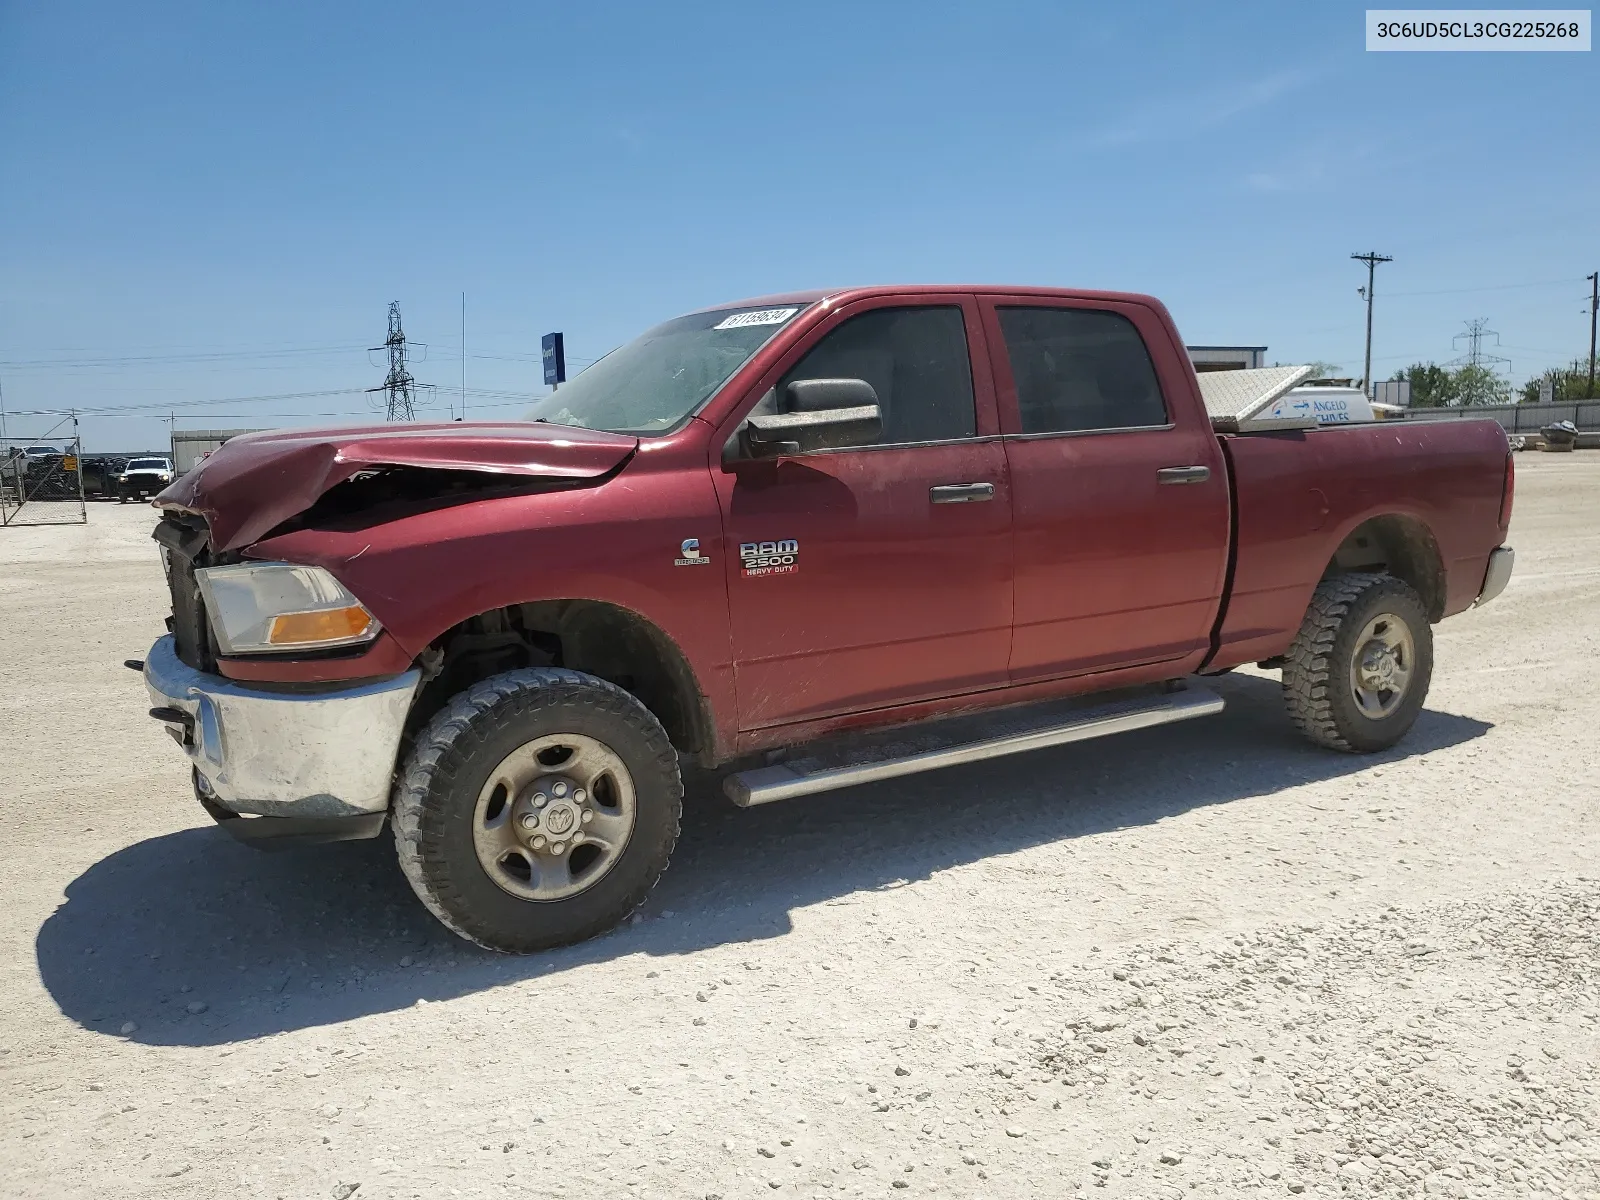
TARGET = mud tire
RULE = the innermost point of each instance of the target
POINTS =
(1316, 672)
(449, 763)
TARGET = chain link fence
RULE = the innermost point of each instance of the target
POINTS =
(41, 480)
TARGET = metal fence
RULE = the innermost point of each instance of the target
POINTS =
(42, 484)
(1518, 418)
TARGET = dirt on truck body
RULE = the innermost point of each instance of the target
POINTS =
(814, 539)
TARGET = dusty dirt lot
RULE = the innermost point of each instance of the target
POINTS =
(1202, 961)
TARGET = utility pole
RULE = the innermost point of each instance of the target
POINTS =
(1372, 258)
(1594, 307)
(463, 356)
(398, 384)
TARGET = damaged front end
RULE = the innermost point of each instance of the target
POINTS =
(313, 758)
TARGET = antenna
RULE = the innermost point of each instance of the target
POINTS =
(398, 384)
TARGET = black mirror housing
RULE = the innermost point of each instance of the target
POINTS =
(818, 395)
(775, 434)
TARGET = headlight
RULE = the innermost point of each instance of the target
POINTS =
(263, 607)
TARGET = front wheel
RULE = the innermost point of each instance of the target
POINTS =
(1358, 671)
(538, 808)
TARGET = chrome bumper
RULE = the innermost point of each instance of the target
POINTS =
(1498, 574)
(284, 754)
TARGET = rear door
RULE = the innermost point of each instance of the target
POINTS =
(876, 575)
(1119, 491)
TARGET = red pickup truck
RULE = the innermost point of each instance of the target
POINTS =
(818, 539)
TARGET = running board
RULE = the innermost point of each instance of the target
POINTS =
(1040, 727)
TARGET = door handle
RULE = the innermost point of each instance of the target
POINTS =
(961, 493)
(1183, 474)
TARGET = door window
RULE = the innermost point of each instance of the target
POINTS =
(914, 358)
(1077, 369)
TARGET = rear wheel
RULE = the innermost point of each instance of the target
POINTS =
(1358, 671)
(538, 808)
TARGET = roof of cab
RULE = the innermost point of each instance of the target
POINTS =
(844, 295)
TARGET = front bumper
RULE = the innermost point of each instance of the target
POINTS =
(283, 754)
(143, 485)
(1498, 575)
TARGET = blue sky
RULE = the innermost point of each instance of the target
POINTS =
(204, 203)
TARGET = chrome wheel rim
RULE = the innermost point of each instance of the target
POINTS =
(554, 817)
(1381, 669)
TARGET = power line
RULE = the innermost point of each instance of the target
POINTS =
(166, 406)
(1495, 287)
(175, 359)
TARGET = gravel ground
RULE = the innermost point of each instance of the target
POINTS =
(1208, 960)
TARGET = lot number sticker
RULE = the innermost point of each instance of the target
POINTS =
(756, 316)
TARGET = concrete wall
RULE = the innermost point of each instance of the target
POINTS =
(1518, 418)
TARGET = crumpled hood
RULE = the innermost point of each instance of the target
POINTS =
(257, 481)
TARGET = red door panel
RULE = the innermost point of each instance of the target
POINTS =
(1116, 563)
(1113, 568)
(890, 598)
(865, 586)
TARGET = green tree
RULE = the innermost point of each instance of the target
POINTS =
(1320, 369)
(1433, 386)
(1430, 385)
(1479, 385)
(1571, 383)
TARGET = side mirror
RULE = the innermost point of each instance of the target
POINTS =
(819, 414)
(795, 433)
(818, 395)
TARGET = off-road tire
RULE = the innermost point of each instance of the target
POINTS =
(449, 763)
(1316, 672)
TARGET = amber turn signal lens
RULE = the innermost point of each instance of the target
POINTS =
(309, 628)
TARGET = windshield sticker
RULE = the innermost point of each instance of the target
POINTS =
(756, 316)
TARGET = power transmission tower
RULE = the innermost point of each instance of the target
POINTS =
(399, 385)
(1475, 333)
(1479, 388)
(1372, 258)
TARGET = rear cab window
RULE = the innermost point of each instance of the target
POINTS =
(1079, 370)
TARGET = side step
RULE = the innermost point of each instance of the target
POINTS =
(919, 748)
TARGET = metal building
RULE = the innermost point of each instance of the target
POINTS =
(189, 446)
(1227, 358)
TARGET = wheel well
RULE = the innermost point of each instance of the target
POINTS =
(1399, 546)
(600, 639)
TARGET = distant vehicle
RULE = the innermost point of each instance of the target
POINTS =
(143, 477)
(42, 452)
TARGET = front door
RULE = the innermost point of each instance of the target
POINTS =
(881, 574)
(1120, 495)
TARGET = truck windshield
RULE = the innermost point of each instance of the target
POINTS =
(665, 374)
(148, 464)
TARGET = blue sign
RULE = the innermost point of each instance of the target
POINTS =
(553, 347)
